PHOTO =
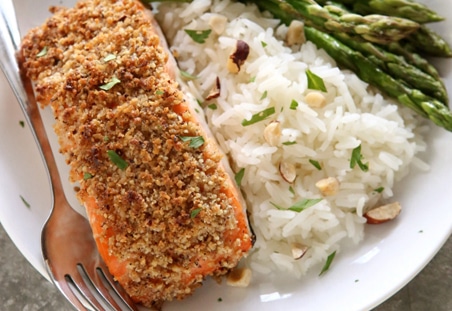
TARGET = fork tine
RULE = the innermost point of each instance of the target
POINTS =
(125, 298)
(96, 276)
(85, 290)
(66, 290)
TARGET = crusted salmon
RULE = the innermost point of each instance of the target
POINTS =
(158, 192)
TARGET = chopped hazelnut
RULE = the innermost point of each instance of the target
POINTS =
(239, 277)
(298, 250)
(287, 171)
(315, 99)
(272, 133)
(238, 57)
(215, 91)
(383, 213)
(217, 23)
(328, 186)
(295, 33)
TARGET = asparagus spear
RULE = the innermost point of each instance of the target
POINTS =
(375, 28)
(365, 69)
(429, 42)
(402, 8)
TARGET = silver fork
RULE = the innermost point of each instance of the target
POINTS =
(68, 247)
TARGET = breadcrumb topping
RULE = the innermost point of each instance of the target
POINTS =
(147, 207)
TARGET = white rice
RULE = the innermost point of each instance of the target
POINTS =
(355, 115)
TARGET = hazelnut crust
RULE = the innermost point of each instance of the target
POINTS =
(148, 205)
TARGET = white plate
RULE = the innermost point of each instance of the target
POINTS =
(361, 278)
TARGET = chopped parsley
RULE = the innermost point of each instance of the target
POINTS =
(87, 176)
(357, 158)
(109, 57)
(212, 106)
(195, 141)
(253, 79)
(291, 190)
(328, 262)
(264, 95)
(316, 164)
(43, 52)
(300, 205)
(195, 212)
(159, 92)
(288, 143)
(22, 123)
(187, 75)
(263, 43)
(25, 202)
(110, 84)
(257, 117)
(315, 82)
(293, 104)
(239, 176)
(199, 36)
(379, 189)
(117, 160)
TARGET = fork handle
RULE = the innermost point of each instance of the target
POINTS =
(22, 88)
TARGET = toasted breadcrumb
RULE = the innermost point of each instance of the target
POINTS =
(148, 204)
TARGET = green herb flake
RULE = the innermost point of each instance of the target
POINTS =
(327, 264)
(357, 159)
(187, 76)
(25, 202)
(106, 138)
(379, 189)
(239, 176)
(315, 82)
(195, 141)
(291, 190)
(159, 92)
(263, 43)
(199, 103)
(199, 36)
(22, 123)
(264, 95)
(293, 104)
(289, 143)
(260, 116)
(117, 160)
(109, 57)
(195, 213)
(316, 164)
(300, 205)
(87, 176)
(252, 79)
(212, 106)
(43, 52)
(110, 84)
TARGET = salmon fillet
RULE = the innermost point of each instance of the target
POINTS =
(162, 203)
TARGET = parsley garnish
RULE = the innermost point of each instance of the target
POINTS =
(263, 43)
(109, 57)
(300, 205)
(316, 164)
(379, 189)
(195, 212)
(293, 104)
(212, 106)
(288, 143)
(253, 79)
(259, 116)
(291, 190)
(117, 160)
(239, 176)
(22, 123)
(328, 262)
(195, 141)
(199, 36)
(87, 176)
(43, 52)
(159, 92)
(187, 76)
(315, 82)
(25, 202)
(110, 84)
(264, 95)
(357, 159)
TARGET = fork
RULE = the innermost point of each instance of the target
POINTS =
(69, 250)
